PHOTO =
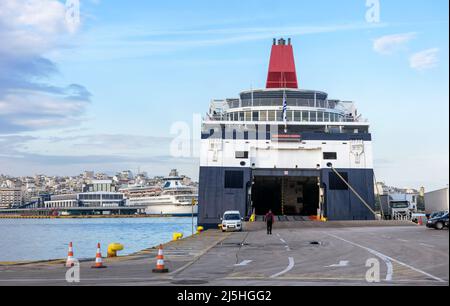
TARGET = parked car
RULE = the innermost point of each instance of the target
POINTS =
(232, 221)
(437, 214)
(439, 222)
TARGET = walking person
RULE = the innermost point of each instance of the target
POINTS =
(270, 218)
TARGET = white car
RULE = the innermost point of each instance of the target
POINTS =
(232, 221)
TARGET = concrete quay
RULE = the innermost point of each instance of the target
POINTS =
(306, 254)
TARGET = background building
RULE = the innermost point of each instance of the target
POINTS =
(10, 197)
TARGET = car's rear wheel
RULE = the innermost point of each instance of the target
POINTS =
(439, 225)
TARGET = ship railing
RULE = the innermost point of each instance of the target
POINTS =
(341, 120)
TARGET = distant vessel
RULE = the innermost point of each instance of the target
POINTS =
(174, 199)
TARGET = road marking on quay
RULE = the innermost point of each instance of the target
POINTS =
(282, 240)
(289, 268)
(342, 263)
(243, 263)
(427, 245)
(388, 260)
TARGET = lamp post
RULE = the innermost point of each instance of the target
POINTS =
(192, 217)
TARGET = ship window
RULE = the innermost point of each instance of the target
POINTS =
(234, 179)
(248, 116)
(263, 116)
(305, 116)
(320, 116)
(271, 115)
(279, 116)
(297, 116)
(255, 116)
(241, 116)
(313, 116)
(326, 117)
(241, 154)
(330, 155)
(336, 183)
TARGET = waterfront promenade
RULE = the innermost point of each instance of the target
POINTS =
(304, 254)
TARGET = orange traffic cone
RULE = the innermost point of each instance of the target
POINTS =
(160, 262)
(98, 259)
(70, 259)
(420, 221)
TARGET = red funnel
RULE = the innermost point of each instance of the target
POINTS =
(282, 73)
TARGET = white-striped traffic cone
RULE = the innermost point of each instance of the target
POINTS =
(70, 258)
(160, 268)
(98, 259)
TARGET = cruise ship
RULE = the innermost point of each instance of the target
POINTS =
(294, 151)
(172, 199)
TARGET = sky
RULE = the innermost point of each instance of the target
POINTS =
(102, 92)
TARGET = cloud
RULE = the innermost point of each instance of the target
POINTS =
(392, 43)
(423, 60)
(131, 41)
(108, 153)
(28, 100)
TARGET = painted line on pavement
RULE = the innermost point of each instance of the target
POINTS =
(282, 240)
(387, 259)
(243, 263)
(289, 268)
(342, 263)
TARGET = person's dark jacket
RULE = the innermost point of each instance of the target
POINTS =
(270, 217)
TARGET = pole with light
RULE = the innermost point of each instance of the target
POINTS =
(192, 217)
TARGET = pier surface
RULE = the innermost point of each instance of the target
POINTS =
(309, 254)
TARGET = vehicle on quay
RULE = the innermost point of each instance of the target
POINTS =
(398, 206)
(437, 214)
(439, 222)
(232, 221)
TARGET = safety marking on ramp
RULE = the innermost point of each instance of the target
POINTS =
(289, 268)
(243, 263)
(388, 260)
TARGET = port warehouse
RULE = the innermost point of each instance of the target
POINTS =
(437, 200)
(290, 150)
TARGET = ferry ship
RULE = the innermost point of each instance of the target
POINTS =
(294, 151)
(173, 199)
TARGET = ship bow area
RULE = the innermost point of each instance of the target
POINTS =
(291, 178)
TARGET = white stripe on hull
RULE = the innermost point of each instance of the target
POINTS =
(170, 210)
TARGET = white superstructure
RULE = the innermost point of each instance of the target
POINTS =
(175, 199)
